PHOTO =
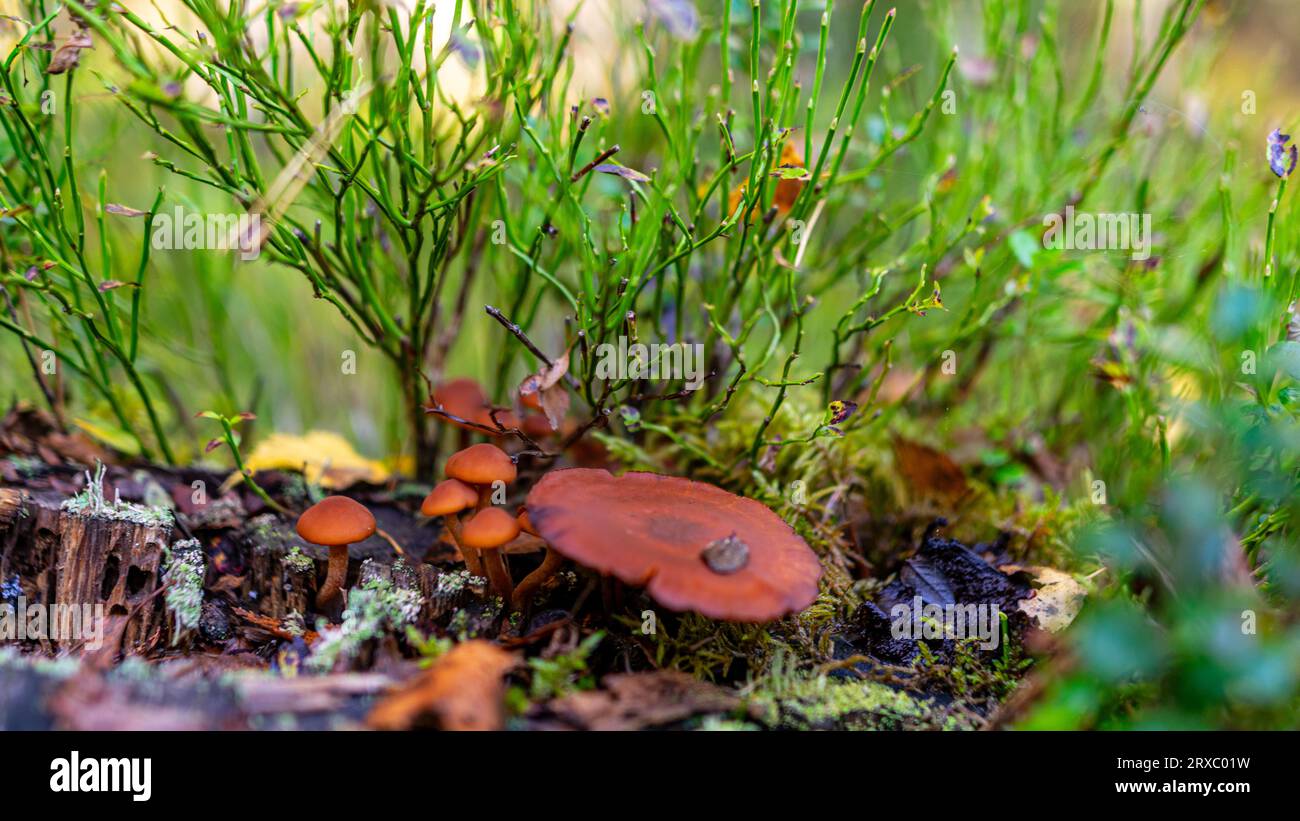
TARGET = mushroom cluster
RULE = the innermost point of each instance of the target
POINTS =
(472, 475)
(691, 545)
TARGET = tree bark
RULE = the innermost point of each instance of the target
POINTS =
(60, 558)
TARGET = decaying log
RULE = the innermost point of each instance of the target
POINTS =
(11, 507)
(117, 563)
(29, 538)
(278, 579)
(62, 558)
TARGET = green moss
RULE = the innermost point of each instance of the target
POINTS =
(822, 703)
(565, 673)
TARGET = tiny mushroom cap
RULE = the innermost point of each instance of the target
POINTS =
(449, 497)
(692, 545)
(481, 464)
(491, 527)
(526, 524)
(336, 520)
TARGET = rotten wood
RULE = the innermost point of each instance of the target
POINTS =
(116, 563)
(62, 558)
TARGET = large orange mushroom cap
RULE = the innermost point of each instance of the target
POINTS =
(481, 464)
(448, 497)
(336, 520)
(693, 546)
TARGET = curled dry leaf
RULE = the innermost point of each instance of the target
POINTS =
(463, 690)
(544, 391)
(31, 431)
(68, 55)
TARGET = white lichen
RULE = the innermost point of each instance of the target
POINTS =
(183, 575)
(91, 502)
(451, 584)
(298, 561)
(373, 608)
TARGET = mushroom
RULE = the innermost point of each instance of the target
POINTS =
(335, 522)
(464, 399)
(488, 531)
(526, 524)
(550, 565)
(693, 546)
(450, 497)
(482, 466)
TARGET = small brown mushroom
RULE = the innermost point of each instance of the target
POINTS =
(335, 522)
(693, 546)
(482, 466)
(450, 497)
(488, 531)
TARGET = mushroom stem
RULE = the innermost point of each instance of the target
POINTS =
(334, 577)
(607, 593)
(484, 497)
(497, 572)
(549, 567)
(472, 562)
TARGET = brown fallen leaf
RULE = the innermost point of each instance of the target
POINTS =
(928, 471)
(35, 432)
(463, 690)
(636, 701)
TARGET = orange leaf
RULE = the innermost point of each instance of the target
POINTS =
(463, 690)
(929, 472)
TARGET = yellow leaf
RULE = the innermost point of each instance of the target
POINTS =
(324, 457)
